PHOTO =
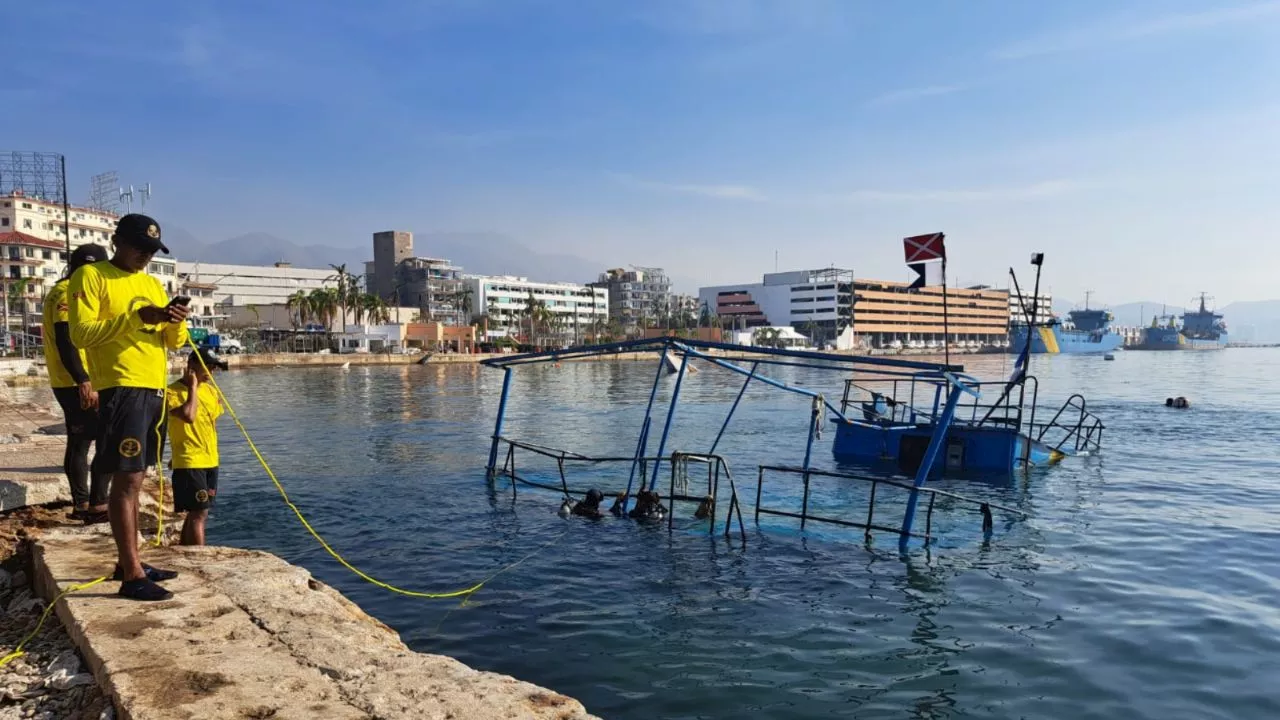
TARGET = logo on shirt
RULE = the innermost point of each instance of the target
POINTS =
(63, 307)
(202, 496)
(130, 447)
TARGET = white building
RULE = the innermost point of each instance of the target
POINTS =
(579, 310)
(815, 302)
(35, 247)
(1043, 308)
(245, 285)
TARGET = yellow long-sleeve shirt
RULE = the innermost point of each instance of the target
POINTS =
(123, 351)
(57, 310)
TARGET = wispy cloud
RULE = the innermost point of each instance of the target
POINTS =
(1043, 189)
(1124, 29)
(721, 192)
(916, 93)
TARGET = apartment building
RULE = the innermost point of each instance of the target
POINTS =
(575, 312)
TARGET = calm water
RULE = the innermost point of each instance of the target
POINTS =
(1143, 585)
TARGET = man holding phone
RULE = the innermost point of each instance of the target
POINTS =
(125, 322)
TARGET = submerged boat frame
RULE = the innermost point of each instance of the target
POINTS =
(953, 393)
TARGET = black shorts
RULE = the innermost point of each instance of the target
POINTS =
(132, 430)
(194, 489)
(79, 420)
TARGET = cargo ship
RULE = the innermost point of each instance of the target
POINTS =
(1085, 331)
(1201, 329)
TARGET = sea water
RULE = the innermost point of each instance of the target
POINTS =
(1143, 582)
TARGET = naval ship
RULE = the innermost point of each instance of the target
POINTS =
(1201, 329)
(1085, 331)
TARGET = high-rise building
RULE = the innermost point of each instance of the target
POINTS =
(433, 285)
(390, 248)
(637, 297)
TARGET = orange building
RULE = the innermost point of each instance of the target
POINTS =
(887, 312)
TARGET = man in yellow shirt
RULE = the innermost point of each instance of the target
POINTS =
(194, 409)
(126, 324)
(74, 392)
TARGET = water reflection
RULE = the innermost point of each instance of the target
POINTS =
(1132, 587)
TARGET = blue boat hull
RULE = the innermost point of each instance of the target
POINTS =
(1166, 338)
(1054, 340)
(968, 450)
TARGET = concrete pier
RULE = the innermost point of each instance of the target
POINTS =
(246, 636)
(251, 636)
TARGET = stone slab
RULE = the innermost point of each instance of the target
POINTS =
(251, 636)
(31, 472)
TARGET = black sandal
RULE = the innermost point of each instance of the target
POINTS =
(144, 590)
(88, 517)
(155, 575)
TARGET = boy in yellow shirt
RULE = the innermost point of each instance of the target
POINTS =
(194, 409)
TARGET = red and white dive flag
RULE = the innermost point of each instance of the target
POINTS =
(922, 249)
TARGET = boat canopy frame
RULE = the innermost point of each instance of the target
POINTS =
(949, 379)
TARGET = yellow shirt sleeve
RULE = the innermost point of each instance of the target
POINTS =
(176, 397)
(87, 330)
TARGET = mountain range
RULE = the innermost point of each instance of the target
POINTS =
(479, 253)
(488, 253)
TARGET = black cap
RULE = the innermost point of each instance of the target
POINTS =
(84, 255)
(140, 231)
(210, 360)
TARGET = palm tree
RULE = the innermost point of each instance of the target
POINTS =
(462, 301)
(17, 290)
(374, 308)
(299, 306)
(812, 329)
(324, 305)
(348, 289)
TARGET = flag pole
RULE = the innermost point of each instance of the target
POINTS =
(946, 325)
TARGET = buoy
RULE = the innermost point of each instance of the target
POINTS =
(566, 508)
(346, 365)
(1108, 356)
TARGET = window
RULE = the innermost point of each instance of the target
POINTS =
(4, 222)
(26, 206)
(62, 256)
(29, 252)
(26, 223)
(46, 254)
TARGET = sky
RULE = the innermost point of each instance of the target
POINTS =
(1135, 143)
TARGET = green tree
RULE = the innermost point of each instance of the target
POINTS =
(348, 290)
(324, 305)
(299, 306)
(767, 337)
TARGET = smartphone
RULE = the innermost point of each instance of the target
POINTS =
(180, 300)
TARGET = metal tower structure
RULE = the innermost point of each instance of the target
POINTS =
(104, 191)
(39, 175)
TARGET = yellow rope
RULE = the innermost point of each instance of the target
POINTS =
(302, 519)
(18, 651)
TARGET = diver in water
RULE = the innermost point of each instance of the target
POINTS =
(705, 508)
(590, 505)
(648, 506)
(616, 508)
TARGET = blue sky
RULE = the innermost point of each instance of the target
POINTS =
(1134, 142)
